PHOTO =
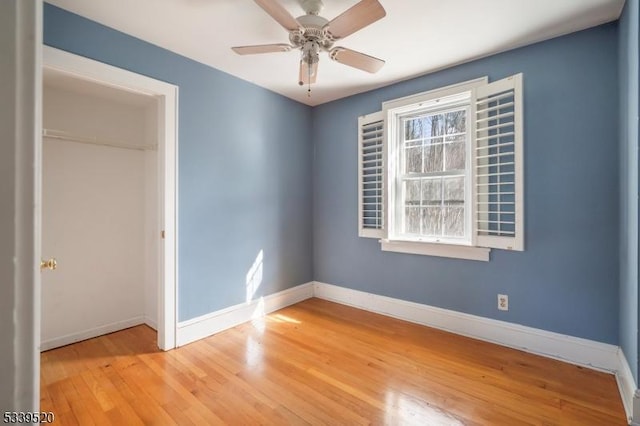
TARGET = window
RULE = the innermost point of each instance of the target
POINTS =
(440, 173)
(430, 182)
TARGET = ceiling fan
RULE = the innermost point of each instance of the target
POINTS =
(311, 34)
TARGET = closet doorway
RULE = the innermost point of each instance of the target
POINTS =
(108, 201)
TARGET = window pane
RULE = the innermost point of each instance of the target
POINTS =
(416, 128)
(455, 155)
(456, 122)
(432, 191)
(412, 192)
(433, 156)
(435, 125)
(454, 190)
(408, 130)
(413, 159)
(432, 221)
(454, 221)
(412, 220)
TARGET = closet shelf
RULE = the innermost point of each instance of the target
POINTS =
(92, 140)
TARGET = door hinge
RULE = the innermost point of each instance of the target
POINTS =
(162, 234)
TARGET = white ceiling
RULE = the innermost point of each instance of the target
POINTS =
(416, 37)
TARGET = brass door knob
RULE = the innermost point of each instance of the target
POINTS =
(50, 264)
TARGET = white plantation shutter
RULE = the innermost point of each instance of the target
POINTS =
(371, 174)
(497, 160)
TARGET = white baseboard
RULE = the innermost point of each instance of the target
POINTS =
(151, 322)
(91, 333)
(626, 385)
(215, 322)
(635, 418)
(575, 350)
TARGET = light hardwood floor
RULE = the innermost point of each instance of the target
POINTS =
(320, 363)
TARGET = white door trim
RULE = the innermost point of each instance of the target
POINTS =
(167, 95)
(20, 107)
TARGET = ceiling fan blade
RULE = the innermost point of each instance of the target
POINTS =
(357, 17)
(356, 59)
(304, 73)
(279, 13)
(261, 48)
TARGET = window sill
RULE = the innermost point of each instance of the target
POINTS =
(436, 249)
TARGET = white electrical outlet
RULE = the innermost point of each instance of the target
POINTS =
(503, 302)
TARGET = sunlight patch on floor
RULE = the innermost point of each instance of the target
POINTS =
(284, 318)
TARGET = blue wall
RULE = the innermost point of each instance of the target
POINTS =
(244, 187)
(244, 157)
(567, 279)
(629, 183)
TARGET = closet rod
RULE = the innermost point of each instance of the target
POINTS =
(92, 140)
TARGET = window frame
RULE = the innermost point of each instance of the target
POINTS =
(393, 110)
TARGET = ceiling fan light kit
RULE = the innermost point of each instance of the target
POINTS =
(311, 34)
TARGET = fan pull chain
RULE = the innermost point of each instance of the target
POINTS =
(309, 81)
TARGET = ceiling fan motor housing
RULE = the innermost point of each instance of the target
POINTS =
(312, 30)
